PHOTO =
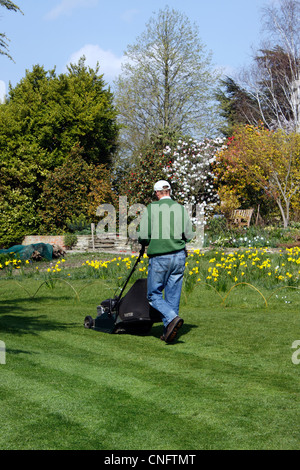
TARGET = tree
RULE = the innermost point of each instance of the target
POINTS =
(274, 78)
(235, 186)
(56, 112)
(3, 39)
(190, 171)
(274, 88)
(76, 188)
(236, 106)
(187, 166)
(268, 160)
(167, 81)
(44, 117)
(18, 215)
(140, 177)
(153, 148)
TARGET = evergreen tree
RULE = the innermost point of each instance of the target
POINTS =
(236, 106)
(44, 117)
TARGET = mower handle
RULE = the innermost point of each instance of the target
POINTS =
(142, 251)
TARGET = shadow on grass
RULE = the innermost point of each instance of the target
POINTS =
(23, 316)
(18, 351)
(157, 331)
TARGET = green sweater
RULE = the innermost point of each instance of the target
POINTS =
(165, 227)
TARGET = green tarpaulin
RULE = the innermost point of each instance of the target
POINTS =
(25, 251)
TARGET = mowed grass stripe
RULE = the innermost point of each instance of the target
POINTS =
(138, 363)
(227, 383)
(202, 420)
(211, 395)
(70, 408)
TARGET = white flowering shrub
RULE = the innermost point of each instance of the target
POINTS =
(190, 173)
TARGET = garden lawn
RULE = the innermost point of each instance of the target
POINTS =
(228, 382)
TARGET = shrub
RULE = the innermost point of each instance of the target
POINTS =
(78, 224)
(70, 240)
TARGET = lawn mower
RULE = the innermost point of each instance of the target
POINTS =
(131, 314)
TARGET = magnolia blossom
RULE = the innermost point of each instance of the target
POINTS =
(190, 172)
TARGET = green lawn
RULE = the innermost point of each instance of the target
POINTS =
(228, 382)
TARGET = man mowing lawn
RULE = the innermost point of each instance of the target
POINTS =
(165, 228)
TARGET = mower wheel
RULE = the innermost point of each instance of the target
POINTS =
(88, 322)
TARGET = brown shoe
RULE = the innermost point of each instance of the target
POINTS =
(172, 329)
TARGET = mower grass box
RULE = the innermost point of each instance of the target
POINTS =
(130, 314)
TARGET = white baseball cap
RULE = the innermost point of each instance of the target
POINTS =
(162, 185)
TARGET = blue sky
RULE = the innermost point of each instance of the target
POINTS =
(54, 33)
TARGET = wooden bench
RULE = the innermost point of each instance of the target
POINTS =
(242, 217)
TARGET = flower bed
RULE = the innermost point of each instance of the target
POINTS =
(220, 271)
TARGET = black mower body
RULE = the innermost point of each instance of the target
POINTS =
(130, 314)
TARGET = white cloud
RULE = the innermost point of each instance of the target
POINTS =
(2, 91)
(110, 64)
(65, 7)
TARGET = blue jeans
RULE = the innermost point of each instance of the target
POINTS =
(165, 273)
